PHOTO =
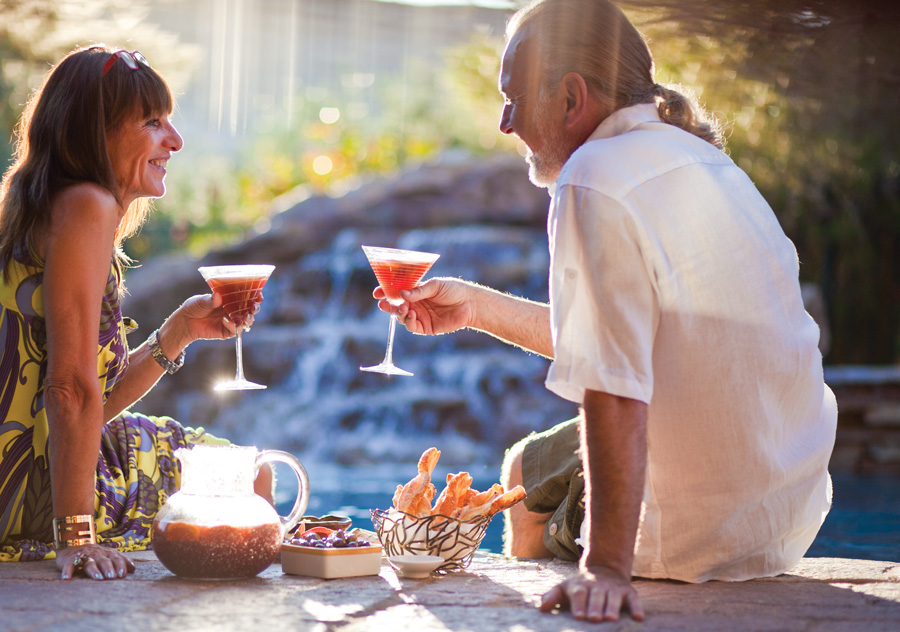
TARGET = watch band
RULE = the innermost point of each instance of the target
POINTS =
(161, 358)
(74, 531)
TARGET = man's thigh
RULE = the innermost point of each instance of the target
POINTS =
(553, 478)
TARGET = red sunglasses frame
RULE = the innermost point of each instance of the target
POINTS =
(132, 60)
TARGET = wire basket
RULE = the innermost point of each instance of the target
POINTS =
(404, 534)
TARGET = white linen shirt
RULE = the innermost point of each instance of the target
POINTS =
(672, 283)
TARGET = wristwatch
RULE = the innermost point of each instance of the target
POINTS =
(161, 358)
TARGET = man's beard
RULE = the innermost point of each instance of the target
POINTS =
(544, 167)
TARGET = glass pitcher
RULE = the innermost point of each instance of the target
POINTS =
(216, 526)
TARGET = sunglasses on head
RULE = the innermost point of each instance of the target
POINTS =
(131, 60)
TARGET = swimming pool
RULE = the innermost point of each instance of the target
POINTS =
(864, 522)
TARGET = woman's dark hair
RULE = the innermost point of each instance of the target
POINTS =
(61, 140)
(594, 39)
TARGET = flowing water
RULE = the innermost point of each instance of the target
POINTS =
(360, 434)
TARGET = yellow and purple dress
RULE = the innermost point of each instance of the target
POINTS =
(136, 467)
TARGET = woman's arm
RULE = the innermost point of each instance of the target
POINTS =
(200, 317)
(77, 250)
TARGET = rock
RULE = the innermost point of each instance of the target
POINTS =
(319, 323)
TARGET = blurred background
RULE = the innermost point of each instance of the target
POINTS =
(313, 126)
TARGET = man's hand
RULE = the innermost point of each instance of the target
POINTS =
(595, 594)
(438, 306)
(443, 305)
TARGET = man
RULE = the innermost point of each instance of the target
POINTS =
(675, 320)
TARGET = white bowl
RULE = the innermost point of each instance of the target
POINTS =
(332, 562)
(438, 536)
(415, 566)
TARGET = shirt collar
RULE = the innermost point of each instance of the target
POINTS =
(620, 122)
(625, 120)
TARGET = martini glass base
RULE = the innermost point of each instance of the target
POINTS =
(387, 369)
(235, 385)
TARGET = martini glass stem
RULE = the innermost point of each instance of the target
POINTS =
(389, 353)
(239, 375)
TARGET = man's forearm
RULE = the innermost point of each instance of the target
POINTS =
(515, 320)
(614, 452)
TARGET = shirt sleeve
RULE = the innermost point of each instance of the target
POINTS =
(603, 306)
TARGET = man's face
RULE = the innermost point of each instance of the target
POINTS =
(536, 116)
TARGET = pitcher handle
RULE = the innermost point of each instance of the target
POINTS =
(279, 456)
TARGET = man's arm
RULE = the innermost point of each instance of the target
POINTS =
(442, 305)
(614, 453)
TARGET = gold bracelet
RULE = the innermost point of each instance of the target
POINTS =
(74, 531)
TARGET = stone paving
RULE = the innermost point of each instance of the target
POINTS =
(494, 594)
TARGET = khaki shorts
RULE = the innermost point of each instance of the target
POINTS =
(553, 477)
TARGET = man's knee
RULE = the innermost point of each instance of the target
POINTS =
(511, 470)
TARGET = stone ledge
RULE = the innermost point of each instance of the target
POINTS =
(495, 593)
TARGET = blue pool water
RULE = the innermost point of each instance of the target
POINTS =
(864, 522)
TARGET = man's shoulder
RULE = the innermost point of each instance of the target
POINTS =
(616, 165)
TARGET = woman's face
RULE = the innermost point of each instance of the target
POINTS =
(139, 151)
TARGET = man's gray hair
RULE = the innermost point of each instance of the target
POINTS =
(595, 39)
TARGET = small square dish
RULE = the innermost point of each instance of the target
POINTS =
(331, 563)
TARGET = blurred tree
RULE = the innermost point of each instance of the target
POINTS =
(36, 33)
(809, 90)
(20, 20)
(220, 197)
(812, 88)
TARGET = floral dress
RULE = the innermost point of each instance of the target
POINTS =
(136, 468)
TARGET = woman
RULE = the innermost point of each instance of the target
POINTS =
(92, 147)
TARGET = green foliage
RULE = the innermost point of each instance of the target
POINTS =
(810, 89)
(20, 21)
(213, 199)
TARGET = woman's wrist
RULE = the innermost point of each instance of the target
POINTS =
(169, 365)
(76, 530)
(173, 338)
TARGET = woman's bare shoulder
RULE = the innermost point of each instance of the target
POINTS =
(86, 194)
(86, 203)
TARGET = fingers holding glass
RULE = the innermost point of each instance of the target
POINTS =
(240, 287)
(396, 270)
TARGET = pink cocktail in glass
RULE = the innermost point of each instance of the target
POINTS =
(240, 287)
(396, 270)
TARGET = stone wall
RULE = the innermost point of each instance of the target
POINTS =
(868, 437)
(471, 394)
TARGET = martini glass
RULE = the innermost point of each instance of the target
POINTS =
(396, 270)
(240, 287)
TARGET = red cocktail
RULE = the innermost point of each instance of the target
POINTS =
(395, 275)
(241, 290)
(396, 270)
(240, 295)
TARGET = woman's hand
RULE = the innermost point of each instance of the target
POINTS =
(204, 318)
(94, 561)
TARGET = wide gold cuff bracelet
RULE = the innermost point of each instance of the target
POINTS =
(74, 531)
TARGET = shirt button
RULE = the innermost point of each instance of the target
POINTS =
(553, 529)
